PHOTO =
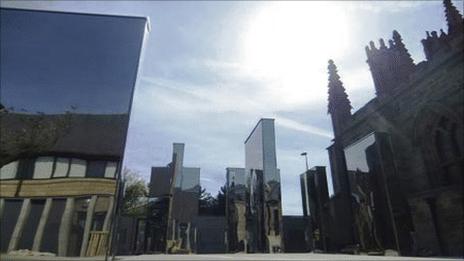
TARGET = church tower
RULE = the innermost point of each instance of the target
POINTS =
(339, 104)
(436, 46)
(454, 19)
(340, 112)
(390, 66)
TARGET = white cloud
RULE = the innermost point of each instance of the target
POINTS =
(388, 6)
(294, 125)
(211, 102)
(356, 78)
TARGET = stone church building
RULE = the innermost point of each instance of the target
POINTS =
(398, 162)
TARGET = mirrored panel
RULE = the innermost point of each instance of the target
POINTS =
(66, 83)
(263, 181)
(371, 205)
(66, 88)
(236, 208)
(191, 180)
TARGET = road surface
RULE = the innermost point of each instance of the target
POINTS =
(238, 257)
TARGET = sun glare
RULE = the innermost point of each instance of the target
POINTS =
(288, 41)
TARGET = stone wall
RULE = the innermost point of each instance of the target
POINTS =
(410, 117)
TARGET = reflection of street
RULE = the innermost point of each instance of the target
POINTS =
(240, 257)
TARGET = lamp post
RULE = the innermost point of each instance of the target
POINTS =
(306, 159)
(306, 194)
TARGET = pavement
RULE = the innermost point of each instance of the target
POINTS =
(233, 257)
(279, 257)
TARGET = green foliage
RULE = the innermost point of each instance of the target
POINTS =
(212, 206)
(36, 132)
(135, 194)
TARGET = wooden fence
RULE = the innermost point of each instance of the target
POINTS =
(97, 243)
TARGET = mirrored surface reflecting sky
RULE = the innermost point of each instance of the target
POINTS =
(52, 63)
(211, 70)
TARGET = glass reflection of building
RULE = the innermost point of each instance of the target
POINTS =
(379, 207)
(158, 209)
(264, 210)
(63, 123)
(315, 197)
(296, 234)
(173, 207)
(236, 193)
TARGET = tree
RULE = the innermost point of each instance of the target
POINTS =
(31, 133)
(221, 201)
(206, 202)
(212, 206)
(135, 193)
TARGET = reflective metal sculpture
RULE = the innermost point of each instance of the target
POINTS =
(66, 88)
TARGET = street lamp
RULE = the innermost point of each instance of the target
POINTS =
(305, 176)
(306, 159)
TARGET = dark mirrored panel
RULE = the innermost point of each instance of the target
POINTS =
(236, 208)
(160, 182)
(236, 184)
(66, 89)
(191, 180)
(263, 181)
(315, 197)
(254, 150)
(370, 201)
(58, 62)
(157, 223)
(355, 154)
(185, 198)
(186, 190)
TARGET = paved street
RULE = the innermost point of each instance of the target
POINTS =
(283, 257)
(238, 257)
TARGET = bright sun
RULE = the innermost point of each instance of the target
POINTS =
(289, 41)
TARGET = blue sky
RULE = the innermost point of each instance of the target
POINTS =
(212, 69)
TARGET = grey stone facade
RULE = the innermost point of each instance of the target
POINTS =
(419, 111)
